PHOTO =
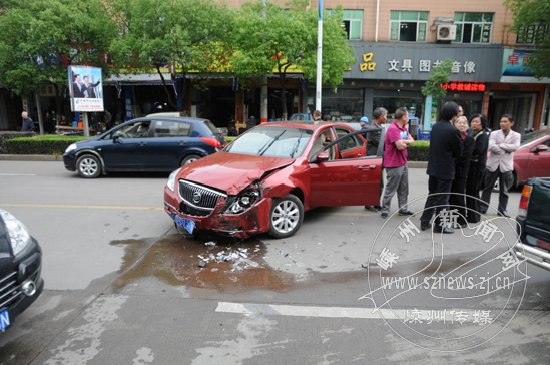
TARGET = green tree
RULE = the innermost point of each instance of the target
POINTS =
(184, 35)
(440, 75)
(432, 89)
(39, 39)
(272, 38)
(534, 13)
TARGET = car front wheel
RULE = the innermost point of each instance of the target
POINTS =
(88, 166)
(286, 216)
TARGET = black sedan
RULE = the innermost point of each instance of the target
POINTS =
(20, 266)
(152, 143)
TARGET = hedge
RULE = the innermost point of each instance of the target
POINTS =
(49, 144)
(55, 145)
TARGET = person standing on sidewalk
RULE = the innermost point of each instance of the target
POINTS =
(477, 166)
(373, 141)
(445, 148)
(500, 163)
(27, 123)
(396, 142)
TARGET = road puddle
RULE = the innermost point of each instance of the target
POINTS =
(227, 267)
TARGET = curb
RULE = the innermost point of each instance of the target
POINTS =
(411, 164)
(31, 157)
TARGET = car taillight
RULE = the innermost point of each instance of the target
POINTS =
(524, 201)
(211, 141)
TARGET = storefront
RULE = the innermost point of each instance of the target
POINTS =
(391, 75)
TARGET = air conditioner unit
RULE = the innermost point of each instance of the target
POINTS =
(446, 32)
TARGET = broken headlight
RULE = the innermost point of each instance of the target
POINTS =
(244, 201)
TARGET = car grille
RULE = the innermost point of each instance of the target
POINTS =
(9, 291)
(196, 199)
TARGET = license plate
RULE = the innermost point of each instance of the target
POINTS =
(185, 223)
(4, 320)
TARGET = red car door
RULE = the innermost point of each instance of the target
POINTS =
(539, 161)
(342, 181)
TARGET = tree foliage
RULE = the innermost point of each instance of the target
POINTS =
(534, 12)
(186, 34)
(440, 75)
(38, 39)
(273, 39)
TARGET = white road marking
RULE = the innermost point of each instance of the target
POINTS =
(15, 174)
(308, 311)
(68, 206)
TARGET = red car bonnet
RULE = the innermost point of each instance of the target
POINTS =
(231, 172)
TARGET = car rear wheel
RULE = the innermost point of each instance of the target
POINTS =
(88, 166)
(189, 159)
(286, 216)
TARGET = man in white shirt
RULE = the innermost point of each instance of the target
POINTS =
(500, 164)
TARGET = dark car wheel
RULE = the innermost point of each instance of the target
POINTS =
(286, 216)
(88, 166)
(189, 159)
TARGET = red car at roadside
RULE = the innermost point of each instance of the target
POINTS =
(266, 180)
(532, 159)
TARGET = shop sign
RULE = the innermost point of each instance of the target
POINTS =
(464, 86)
(415, 61)
(514, 62)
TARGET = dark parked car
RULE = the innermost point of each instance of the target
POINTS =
(267, 178)
(155, 143)
(20, 266)
(534, 222)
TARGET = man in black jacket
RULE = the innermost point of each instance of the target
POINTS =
(445, 147)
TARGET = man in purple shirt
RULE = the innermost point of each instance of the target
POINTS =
(395, 162)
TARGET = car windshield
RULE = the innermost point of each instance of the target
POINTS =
(272, 141)
(530, 137)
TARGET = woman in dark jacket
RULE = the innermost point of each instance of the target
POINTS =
(477, 166)
(462, 164)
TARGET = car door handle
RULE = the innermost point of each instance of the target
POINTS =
(367, 167)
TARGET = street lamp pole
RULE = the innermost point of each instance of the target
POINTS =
(319, 92)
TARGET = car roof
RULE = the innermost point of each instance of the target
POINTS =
(304, 124)
(166, 117)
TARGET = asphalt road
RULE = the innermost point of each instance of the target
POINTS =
(123, 287)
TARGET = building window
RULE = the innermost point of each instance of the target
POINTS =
(409, 26)
(533, 34)
(473, 27)
(353, 23)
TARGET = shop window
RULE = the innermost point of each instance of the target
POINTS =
(533, 34)
(353, 23)
(473, 27)
(409, 26)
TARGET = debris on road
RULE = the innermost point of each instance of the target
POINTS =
(210, 244)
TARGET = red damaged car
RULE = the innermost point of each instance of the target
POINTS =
(267, 178)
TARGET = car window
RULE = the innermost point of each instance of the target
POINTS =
(347, 143)
(272, 141)
(134, 130)
(530, 137)
(322, 140)
(169, 128)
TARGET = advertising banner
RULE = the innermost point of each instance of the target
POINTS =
(86, 89)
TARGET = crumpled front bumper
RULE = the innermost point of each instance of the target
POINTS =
(251, 222)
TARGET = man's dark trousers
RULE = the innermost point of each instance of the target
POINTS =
(436, 201)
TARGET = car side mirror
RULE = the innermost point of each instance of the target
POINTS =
(322, 156)
(541, 148)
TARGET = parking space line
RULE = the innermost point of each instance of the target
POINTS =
(68, 206)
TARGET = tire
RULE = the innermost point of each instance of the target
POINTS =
(189, 159)
(88, 166)
(286, 216)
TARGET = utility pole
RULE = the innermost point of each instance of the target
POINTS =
(319, 92)
(263, 89)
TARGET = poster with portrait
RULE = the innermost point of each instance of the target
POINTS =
(85, 88)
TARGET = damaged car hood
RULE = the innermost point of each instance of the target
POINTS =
(231, 172)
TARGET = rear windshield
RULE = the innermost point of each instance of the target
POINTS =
(211, 126)
(272, 141)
